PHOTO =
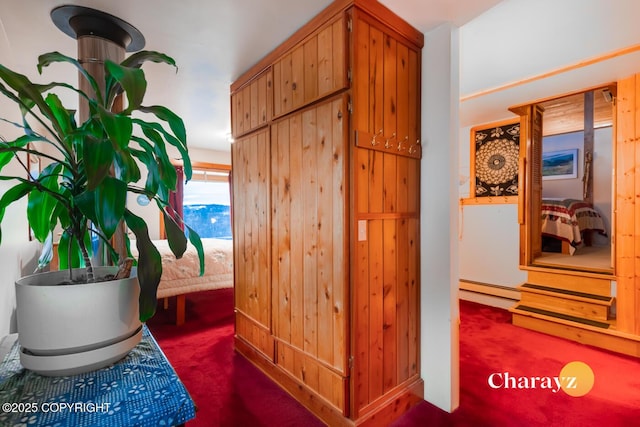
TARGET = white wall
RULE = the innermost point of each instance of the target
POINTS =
(489, 245)
(18, 256)
(522, 38)
(439, 206)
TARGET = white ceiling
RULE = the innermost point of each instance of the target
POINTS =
(213, 42)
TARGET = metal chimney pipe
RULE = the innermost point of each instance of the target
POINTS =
(100, 37)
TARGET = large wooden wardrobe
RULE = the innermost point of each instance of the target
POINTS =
(326, 172)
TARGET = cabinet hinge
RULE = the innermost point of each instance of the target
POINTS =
(349, 75)
(350, 24)
(349, 107)
(350, 362)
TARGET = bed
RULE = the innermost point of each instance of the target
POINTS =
(181, 276)
(570, 221)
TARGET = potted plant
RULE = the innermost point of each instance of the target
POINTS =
(90, 168)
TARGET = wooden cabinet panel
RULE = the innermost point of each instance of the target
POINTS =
(308, 224)
(250, 159)
(315, 68)
(312, 373)
(251, 105)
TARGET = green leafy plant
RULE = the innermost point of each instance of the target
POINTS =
(92, 166)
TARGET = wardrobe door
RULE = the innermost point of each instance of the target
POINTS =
(310, 247)
(315, 68)
(251, 105)
(251, 240)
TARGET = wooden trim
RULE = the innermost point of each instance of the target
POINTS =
(210, 166)
(203, 165)
(386, 215)
(504, 122)
(489, 200)
(577, 65)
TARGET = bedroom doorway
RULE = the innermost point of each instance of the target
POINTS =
(567, 213)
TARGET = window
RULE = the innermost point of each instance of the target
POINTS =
(206, 203)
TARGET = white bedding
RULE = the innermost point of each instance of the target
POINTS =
(181, 276)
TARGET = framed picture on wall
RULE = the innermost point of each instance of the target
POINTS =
(495, 162)
(561, 164)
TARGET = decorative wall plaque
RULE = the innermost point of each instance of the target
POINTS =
(495, 159)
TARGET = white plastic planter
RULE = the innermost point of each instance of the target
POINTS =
(70, 329)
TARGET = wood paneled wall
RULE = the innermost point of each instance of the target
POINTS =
(386, 87)
(627, 225)
(386, 274)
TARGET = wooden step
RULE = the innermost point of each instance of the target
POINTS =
(599, 334)
(566, 302)
(593, 285)
(555, 315)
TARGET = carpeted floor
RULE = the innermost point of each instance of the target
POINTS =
(229, 391)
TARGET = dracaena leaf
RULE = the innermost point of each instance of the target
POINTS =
(127, 170)
(175, 123)
(132, 81)
(182, 147)
(110, 201)
(28, 93)
(149, 265)
(63, 117)
(46, 59)
(175, 236)
(118, 127)
(42, 203)
(194, 238)
(98, 158)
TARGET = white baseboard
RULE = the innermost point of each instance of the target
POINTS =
(488, 294)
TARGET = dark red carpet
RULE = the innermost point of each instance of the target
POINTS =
(229, 391)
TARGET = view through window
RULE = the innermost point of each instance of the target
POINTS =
(206, 204)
